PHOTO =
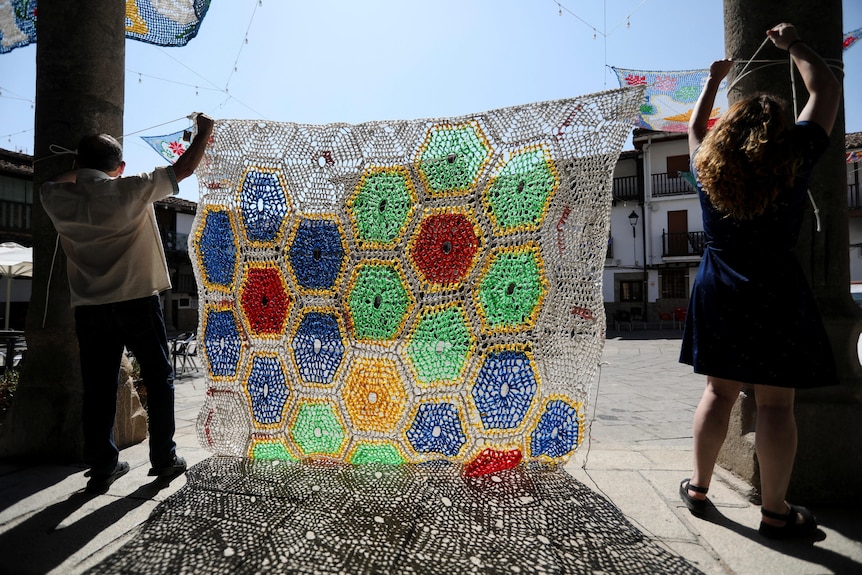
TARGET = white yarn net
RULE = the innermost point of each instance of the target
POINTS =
(407, 291)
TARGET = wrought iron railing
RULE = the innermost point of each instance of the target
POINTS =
(664, 185)
(16, 216)
(677, 244)
(626, 189)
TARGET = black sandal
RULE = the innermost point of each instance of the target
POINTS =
(698, 507)
(791, 528)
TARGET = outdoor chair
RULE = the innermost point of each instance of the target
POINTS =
(665, 317)
(679, 317)
(638, 316)
(185, 352)
(621, 316)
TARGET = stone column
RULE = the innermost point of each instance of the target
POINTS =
(80, 67)
(829, 462)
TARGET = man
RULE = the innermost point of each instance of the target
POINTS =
(116, 267)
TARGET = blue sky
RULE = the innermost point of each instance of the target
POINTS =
(337, 61)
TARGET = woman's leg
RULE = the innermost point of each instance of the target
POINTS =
(775, 443)
(710, 428)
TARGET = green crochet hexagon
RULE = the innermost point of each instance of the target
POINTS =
(519, 195)
(381, 206)
(271, 449)
(511, 289)
(384, 453)
(378, 301)
(451, 158)
(317, 430)
(440, 344)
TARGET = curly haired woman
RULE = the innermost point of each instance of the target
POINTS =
(752, 318)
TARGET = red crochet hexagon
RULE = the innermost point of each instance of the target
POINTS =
(491, 461)
(264, 301)
(445, 247)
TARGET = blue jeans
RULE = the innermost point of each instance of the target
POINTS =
(103, 331)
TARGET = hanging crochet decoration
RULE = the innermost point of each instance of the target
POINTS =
(170, 146)
(159, 22)
(850, 38)
(406, 291)
(670, 97)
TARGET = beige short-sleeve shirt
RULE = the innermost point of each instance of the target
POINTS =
(108, 230)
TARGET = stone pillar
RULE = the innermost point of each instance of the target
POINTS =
(80, 68)
(828, 462)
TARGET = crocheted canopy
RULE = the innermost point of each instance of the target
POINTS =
(160, 22)
(407, 291)
(670, 97)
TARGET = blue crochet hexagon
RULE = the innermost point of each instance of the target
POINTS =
(437, 428)
(556, 434)
(217, 249)
(318, 348)
(317, 254)
(263, 205)
(267, 389)
(504, 390)
(222, 344)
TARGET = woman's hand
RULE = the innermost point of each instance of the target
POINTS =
(783, 35)
(720, 68)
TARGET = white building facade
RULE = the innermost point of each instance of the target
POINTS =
(656, 239)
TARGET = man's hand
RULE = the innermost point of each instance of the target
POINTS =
(187, 163)
(204, 123)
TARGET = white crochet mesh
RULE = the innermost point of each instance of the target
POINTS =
(406, 291)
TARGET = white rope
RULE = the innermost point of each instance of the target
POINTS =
(591, 419)
(743, 74)
(50, 276)
(796, 115)
(747, 63)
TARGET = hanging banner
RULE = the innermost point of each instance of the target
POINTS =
(850, 38)
(170, 146)
(160, 22)
(670, 97)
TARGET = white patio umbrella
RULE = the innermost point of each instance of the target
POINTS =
(16, 261)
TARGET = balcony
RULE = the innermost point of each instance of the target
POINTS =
(669, 185)
(682, 244)
(854, 202)
(15, 217)
(626, 189)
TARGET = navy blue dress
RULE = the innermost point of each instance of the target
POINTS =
(752, 316)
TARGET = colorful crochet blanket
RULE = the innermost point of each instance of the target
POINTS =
(407, 291)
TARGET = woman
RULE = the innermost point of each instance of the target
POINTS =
(752, 318)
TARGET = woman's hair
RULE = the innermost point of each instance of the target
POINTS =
(100, 152)
(744, 161)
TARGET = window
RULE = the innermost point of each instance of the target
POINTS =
(674, 284)
(677, 164)
(631, 290)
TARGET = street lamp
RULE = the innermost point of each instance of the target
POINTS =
(633, 220)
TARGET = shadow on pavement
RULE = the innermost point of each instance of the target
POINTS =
(802, 549)
(238, 515)
(18, 485)
(44, 541)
